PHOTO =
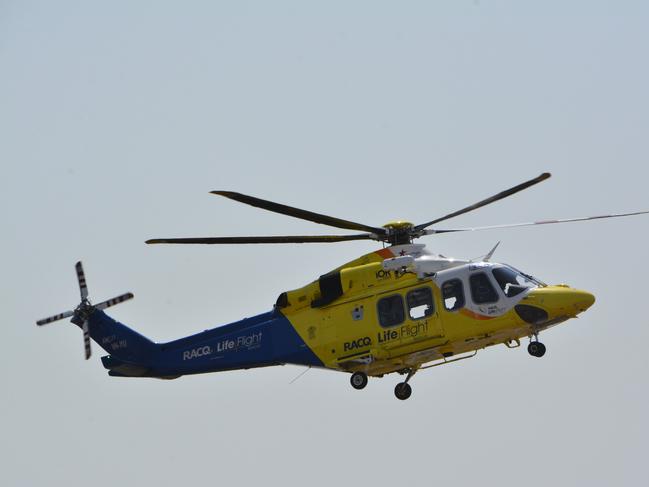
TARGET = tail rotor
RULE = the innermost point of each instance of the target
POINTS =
(82, 312)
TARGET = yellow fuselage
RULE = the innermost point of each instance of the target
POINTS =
(352, 319)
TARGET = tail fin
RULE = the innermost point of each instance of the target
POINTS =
(120, 341)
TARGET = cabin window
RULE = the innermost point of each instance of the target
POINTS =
(420, 303)
(391, 312)
(482, 291)
(453, 294)
(511, 282)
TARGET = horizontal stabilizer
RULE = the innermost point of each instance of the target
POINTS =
(121, 368)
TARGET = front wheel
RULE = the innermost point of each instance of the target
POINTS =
(536, 349)
(403, 391)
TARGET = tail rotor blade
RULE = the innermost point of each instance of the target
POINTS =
(86, 339)
(114, 301)
(81, 276)
(58, 317)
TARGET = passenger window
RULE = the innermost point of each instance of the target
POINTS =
(453, 294)
(420, 303)
(482, 290)
(391, 311)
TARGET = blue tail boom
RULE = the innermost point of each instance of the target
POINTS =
(263, 340)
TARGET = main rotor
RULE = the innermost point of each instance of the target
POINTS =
(393, 233)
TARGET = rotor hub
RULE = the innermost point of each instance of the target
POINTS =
(398, 226)
(399, 232)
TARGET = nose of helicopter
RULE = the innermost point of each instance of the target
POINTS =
(586, 300)
(553, 304)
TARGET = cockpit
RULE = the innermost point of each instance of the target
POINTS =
(482, 281)
(513, 282)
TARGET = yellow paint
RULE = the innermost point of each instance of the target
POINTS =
(344, 343)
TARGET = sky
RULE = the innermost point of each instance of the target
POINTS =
(118, 118)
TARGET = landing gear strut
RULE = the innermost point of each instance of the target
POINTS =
(536, 348)
(358, 380)
(403, 389)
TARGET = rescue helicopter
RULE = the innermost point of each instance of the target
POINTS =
(399, 309)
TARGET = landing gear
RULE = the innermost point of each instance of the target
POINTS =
(358, 380)
(403, 391)
(536, 349)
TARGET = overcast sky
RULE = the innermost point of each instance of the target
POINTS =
(118, 118)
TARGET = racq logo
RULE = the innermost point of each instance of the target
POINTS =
(244, 342)
(197, 352)
(358, 343)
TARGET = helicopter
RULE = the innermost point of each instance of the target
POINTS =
(399, 309)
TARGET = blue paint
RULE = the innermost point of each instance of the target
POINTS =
(263, 340)
(119, 340)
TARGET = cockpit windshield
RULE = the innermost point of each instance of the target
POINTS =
(514, 282)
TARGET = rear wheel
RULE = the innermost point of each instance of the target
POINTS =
(358, 380)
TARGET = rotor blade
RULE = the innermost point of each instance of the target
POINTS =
(542, 222)
(264, 240)
(81, 277)
(298, 213)
(499, 196)
(114, 301)
(58, 317)
(86, 339)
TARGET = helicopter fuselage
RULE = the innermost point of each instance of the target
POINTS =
(391, 310)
